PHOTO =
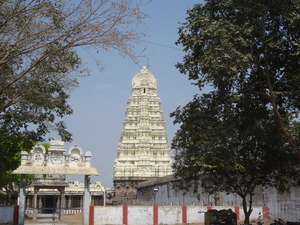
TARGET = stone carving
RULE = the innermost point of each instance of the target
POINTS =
(143, 134)
(56, 157)
(37, 155)
(75, 157)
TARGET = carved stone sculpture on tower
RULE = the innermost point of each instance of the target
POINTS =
(143, 151)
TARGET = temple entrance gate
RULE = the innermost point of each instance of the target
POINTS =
(55, 162)
(49, 204)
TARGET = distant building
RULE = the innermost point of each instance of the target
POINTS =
(49, 191)
(143, 151)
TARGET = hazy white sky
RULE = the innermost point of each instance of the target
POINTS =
(99, 103)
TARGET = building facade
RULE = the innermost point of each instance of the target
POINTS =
(48, 199)
(143, 152)
(49, 192)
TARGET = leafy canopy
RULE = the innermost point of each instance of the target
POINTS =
(232, 150)
(241, 46)
(39, 63)
(10, 148)
(245, 132)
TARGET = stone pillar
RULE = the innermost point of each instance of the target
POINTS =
(67, 201)
(86, 200)
(22, 196)
(58, 202)
(40, 200)
(81, 200)
(34, 217)
(62, 204)
(92, 199)
(27, 201)
(104, 198)
(71, 201)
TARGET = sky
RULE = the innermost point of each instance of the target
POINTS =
(100, 102)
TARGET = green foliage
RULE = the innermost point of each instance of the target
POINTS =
(10, 186)
(245, 132)
(47, 146)
(244, 46)
(39, 64)
(233, 150)
(10, 148)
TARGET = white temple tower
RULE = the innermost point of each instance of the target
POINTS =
(143, 151)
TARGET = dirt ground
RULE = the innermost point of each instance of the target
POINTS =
(77, 220)
(267, 221)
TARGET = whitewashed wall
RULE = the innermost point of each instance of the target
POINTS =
(285, 206)
(145, 215)
(108, 215)
(6, 214)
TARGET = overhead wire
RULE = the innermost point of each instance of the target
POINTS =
(162, 45)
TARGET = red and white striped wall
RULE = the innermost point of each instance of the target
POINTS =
(154, 215)
(144, 215)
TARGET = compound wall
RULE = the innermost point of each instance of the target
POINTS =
(144, 215)
(7, 214)
(161, 191)
(154, 215)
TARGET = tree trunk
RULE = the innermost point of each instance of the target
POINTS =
(8, 198)
(285, 131)
(279, 119)
(247, 210)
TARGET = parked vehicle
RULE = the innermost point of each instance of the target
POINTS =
(278, 222)
(258, 222)
(293, 223)
(221, 217)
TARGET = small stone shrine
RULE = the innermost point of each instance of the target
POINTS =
(50, 168)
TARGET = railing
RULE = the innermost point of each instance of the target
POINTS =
(67, 211)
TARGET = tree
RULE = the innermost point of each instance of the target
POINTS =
(230, 149)
(246, 46)
(10, 148)
(38, 59)
(39, 62)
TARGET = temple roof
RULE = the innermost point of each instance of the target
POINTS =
(144, 78)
